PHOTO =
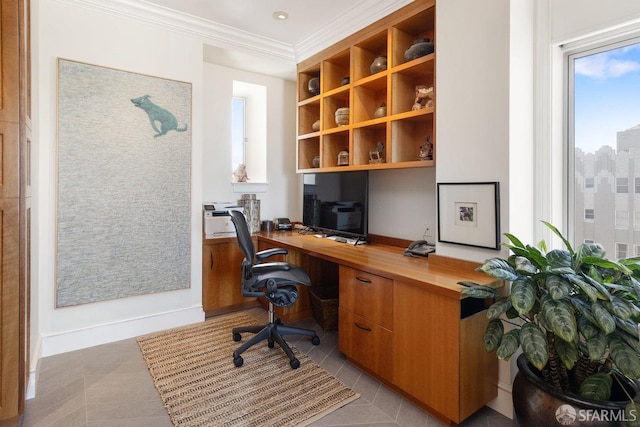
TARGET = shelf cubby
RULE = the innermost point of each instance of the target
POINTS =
(365, 52)
(407, 135)
(332, 145)
(366, 139)
(403, 34)
(308, 114)
(303, 82)
(308, 148)
(403, 88)
(367, 99)
(329, 106)
(334, 70)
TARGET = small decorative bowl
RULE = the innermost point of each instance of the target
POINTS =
(344, 81)
(342, 116)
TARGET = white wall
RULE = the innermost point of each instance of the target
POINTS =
(79, 34)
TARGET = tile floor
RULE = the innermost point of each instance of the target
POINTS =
(109, 386)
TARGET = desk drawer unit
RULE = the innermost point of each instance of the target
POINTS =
(366, 343)
(367, 295)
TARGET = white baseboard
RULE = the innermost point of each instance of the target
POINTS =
(503, 403)
(128, 328)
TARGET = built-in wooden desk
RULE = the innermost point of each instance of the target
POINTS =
(404, 321)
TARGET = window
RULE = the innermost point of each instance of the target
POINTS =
(588, 183)
(636, 250)
(249, 130)
(622, 185)
(622, 219)
(621, 250)
(603, 139)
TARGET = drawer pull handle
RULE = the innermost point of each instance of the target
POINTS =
(363, 279)
(364, 328)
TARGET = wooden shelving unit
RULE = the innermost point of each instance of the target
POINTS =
(346, 80)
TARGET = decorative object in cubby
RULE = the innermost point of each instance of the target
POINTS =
(345, 81)
(426, 149)
(316, 126)
(375, 155)
(316, 162)
(424, 97)
(420, 47)
(343, 158)
(314, 85)
(378, 64)
(342, 116)
(381, 111)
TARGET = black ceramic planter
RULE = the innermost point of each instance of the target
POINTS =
(536, 403)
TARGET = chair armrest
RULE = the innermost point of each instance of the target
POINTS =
(270, 252)
(270, 267)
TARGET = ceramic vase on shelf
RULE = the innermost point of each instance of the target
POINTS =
(378, 64)
(314, 85)
(342, 116)
(420, 47)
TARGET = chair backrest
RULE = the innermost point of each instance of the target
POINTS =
(244, 236)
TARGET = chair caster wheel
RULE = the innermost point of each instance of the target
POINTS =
(238, 361)
(271, 344)
(295, 363)
(237, 337)
(315, 340)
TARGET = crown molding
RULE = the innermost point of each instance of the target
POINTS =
(350, 21)
(354, 18)
(182, 23)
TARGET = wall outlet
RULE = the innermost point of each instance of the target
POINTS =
(428, 231)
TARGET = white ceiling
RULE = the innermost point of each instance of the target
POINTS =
(245, 35)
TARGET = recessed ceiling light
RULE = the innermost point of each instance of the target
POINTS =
(280, 15)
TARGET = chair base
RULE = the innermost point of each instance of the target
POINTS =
(273, 332)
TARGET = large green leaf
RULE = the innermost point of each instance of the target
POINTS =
(560, 319)
(480, 291)
(590, 250)
(625, 358)
(604, 319)
(589, 291)
(559, 258)
(498, 307)
(509, 344)
(557, 233)
(499, 268)
(493, 335)
(584, 309)
(534, 344)
(514, 240)
(586, 328)
(567, 352)
(628, 326)
(597, 386)
(523, 265)
(606, 263)
(618, 307)
(630, 340)
(523, 295)
(558, 287)
(596, 346)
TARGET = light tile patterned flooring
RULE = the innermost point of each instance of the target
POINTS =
(109, 386)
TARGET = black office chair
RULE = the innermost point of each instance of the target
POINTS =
(273, 280)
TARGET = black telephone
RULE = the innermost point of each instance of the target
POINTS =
(419, 248)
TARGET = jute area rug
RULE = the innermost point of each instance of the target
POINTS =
(192, 368)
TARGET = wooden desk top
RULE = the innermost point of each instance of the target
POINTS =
(439, 274)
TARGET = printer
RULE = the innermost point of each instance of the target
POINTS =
(216, 219)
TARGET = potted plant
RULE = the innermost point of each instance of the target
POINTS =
(574, 314)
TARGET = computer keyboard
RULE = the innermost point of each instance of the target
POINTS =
(348, 240)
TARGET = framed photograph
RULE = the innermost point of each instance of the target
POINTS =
(469, 214)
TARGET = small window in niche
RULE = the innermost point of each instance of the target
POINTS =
(249, 130)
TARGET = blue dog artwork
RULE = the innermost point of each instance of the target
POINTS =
(158, 114)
